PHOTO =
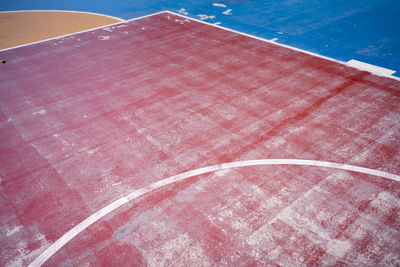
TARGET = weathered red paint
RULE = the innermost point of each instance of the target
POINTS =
(86, 119)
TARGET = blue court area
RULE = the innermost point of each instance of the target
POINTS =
(368, 31)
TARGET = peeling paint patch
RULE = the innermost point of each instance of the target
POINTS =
(204, 17)
(107, 29)
(218, 5)
(183, 11)
(104, 37)
(182, 21)
(227, 12)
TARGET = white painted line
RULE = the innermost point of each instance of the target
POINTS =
(66, 11)
(52, 249)
(210, 24)
(370, 68)
(279, 44)
(75, 33)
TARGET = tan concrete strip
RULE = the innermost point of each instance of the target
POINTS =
(18, 28)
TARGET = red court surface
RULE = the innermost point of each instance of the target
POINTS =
(93, 117)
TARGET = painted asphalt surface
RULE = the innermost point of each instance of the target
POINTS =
(368, 31)
(90, 118)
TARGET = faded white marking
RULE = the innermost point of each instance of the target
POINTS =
(104, 37)
(204, 17)
(182, 21)
(222, 172)
(227, 12)
(92, 151)
(51, 250)
(116, 184)
(274, 39)
(12, 231)
(183, 11)
(275, 142)
(40, 112)
(217, 23)
(9, 120)
(218, 5)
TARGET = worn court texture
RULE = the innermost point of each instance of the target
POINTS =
(87, 119)
(367, 31)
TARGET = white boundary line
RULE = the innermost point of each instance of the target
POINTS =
(66, 11)
(371, 68)
(289, 47)
(52, 249)
(348, 64)
(74, 33)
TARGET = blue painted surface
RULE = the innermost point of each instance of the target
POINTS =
(367, 31)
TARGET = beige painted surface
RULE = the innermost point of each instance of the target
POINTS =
(17, 28)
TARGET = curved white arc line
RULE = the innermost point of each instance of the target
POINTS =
(66, 11)
(75, 33)
(52, 249)
(59, 37)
